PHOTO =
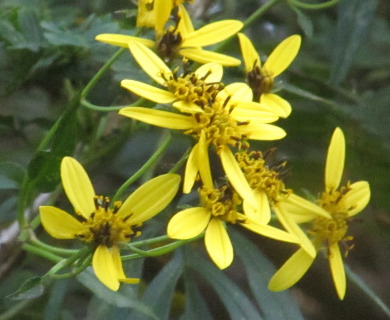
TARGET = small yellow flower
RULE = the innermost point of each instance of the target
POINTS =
(183, 40)
(261, 78)
(218, 207)
(102, 226)
(328, 228)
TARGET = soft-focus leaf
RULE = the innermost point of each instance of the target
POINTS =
(44, 170)
(11, 175)
(30, 289)
(55, 302)
(304, 22)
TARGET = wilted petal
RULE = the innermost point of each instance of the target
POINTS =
(357, 197)
(104, 267)
(205, 56)
(122, 40)
(77, 186)
(59, 224)
(150, 198)
(158, 118)
(291, 271)
(192, 169)
(262, 213)
(218, 244)
(270, 232)
(337, 269)
(259, 131)
(335, 160)
(277, 104)
(116, 258)
(148, 92)
(188, 223)
(210, 72)
(249, 53)
(283, 55)
(212, 33)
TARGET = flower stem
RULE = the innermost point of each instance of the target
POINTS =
(313, 6)
(259, 12)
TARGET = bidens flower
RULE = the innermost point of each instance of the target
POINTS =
(261, 78)
(326, 231)
(103, 226)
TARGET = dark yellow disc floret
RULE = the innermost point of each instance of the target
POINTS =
(260, 80)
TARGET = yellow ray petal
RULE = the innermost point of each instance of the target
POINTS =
(162, 9)
(150, 62)
(337, 269)
(291, 271)
(192, 169)
(105, 270)
(77, 186)
(148, 92)
(212, 33)
(205, 56)
(59, 224)
(249, 53)
(303, 210)
(204, 162)
(245, 111)
(213, 71)
(335, 160)
(158, 118)
(292, 227)
(188, 223)
(263, 213)
(236, 177)
(357, 197)
(185, 24)
(238, 91)
(270, 232)
(150, 198)
(122, 40)
(187, 107)
(277, 104)
(256, 131)
(116, 258)
(218, 244)
(282, 56)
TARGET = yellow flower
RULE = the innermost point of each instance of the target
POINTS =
(328, 229)
(183, 40)
(102, 226)
(218, 207)
(261, 78)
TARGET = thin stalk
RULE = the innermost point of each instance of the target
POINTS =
(52, 249)
(259, 12)
(313, 6)
(43, 253)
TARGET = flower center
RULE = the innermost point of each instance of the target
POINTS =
(261, 81)
(222, 203)
(105, 226)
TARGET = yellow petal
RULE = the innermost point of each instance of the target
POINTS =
(291, 271)
(204, 162)
(212, 33)
(150, 62)
(150, 198)
(185, 24)
(158, 118)
(277, 104)
(148, 92)
(205, 56)
(59, 224)
(104, 267)
(270, 232)
(335, 160)
(262, 214)
(256, 131)
(187, 107)
(77, 186)
(122, 40)
(246, 111)
(236, 177)
(218, 244)
(283, 55)
(188, 223)
(116, 258)
(292, 227)
(211, 72)
(162, 9)
(357, 197)
(192, 169)
(303, 210)
(238, 91)
(337, 269)
(249, 53)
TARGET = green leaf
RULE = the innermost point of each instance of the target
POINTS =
(304, 22)
(353, 22)
(55, 302)
(274, 305)
(11, 175)
(237, 303)
(30, 289)
(29, 26)
(44, 170)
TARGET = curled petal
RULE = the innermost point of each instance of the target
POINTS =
(205, 56)
(148, 92)
(335, 160)
(357, 197)
(104, 267)
(122, 40)
(77, 186)
(249, 53)
(218, 244)
(59, 224)
(150, 198)
(337, 269)
(291, 271)
(277, 104)
(188, 223)
(256, 131)
(116, 258)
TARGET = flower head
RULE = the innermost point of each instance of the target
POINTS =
(261, 78)
(102, 225)
(329, 220)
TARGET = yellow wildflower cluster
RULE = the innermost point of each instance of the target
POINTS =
(222, 119)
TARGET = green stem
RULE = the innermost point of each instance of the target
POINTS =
(181, 161)
(259, 12)
(52, 249)
(161, 149)
(160, 250)
(311, 6)
(43, 253)
(150, 241)
(74, 272)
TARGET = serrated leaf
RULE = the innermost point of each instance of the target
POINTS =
(274, 305)
(237, 303)
(30, 289)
